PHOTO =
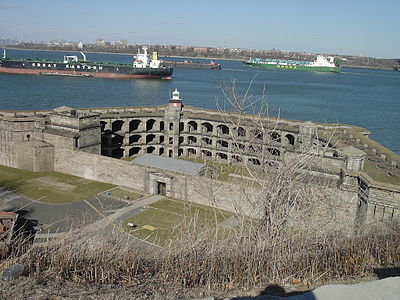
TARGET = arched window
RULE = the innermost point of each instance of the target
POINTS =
(134, 125)
(117, 125)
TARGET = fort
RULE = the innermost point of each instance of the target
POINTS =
(97, 144)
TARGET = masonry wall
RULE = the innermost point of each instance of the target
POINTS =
(13, 132)
(35, 156)
(383, 204)
(99, 168)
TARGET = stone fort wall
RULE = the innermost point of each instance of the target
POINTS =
(86, 143)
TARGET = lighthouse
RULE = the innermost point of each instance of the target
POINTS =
(175, 100)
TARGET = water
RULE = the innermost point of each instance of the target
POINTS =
(366, 98)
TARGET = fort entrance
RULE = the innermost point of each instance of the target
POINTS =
(161, 188)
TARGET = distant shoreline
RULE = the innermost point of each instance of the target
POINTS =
(120, 53)
(174, 56)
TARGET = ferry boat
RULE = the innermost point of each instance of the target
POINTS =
(321, 64)
(142, 67)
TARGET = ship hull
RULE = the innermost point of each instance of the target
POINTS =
(82, 69)
(294, 67)
(192, 65)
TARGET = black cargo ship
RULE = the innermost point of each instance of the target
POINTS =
(142, 67)
(192, 64)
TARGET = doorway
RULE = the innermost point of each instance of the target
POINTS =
(161, 188)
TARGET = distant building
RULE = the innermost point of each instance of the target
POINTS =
(100, 42)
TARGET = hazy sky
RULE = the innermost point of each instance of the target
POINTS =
(354, 27)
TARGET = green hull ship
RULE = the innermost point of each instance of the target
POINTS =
(321, 64)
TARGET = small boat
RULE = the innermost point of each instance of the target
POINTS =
(142, 67)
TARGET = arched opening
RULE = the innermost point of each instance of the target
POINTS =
(171, 126)
(206, 127)
(150, 149)
(170, 153)
(191, 152)
(180, 140)
(161, 139)
(222, 144)
(150, 124)
(274, 151)
(254, 161)
(222, 156)
(290, 139)
(181, 126)
(258, 135)
(240, 131)
(161, 151)
(134, 125)
(239, 146)
(192, 126)
(117, 125)
(206, 141)
(161, 125)
(237, 158)
(103, 125)
(134, 151)
(134, 139)
(206, 153)
(171, 140)
(180, 152)
(222, 129)
(255, 148)
(150, 138)
(275, 137)
(192, 140)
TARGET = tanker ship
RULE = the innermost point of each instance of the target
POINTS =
(142, 67)
(321, 64)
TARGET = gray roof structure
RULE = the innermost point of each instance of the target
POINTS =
(169, 164)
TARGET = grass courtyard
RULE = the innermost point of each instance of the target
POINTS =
(49, 187)
(124, 194)
(164, 220)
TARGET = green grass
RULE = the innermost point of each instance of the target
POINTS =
(124, 194)
(42, 186)
(378, 174)
(168, 216)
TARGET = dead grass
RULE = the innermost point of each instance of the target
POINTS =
(197, 260)
(162, 222)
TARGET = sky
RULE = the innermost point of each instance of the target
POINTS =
(351, 27)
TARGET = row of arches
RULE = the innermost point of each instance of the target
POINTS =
(225, 157)
(192, 127)
(120, 152)
(147, 139)
(134, 125)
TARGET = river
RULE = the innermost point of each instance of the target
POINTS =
(361, 97)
